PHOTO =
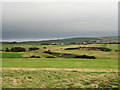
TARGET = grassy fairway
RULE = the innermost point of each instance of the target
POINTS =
(58, 79)
(11, 55)
(60, 63)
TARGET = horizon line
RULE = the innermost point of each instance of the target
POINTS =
(46, 39)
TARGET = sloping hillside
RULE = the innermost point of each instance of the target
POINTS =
(67, 40)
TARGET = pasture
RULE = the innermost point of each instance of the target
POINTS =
(105, 60)
(59, 63)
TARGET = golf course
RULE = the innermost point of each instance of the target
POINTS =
(60, 66)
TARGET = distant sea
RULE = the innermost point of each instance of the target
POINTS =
(22, 40)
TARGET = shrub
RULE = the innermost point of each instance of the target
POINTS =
(44, 47)
(7, 50)
(18, 49)
(85, 56)
(50, 57)
(33, 49)
(35, 57)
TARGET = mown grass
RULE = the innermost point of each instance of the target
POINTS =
(11, 55)
(59, 79)
(59, 63)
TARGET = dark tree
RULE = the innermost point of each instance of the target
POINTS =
(7, 50)
(13, 42)
(18, 49)
(72, 43)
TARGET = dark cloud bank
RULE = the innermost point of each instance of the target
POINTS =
(30, 21)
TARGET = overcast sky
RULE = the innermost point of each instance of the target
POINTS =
(47, 20)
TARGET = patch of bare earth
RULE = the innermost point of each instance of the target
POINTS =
(60, 69)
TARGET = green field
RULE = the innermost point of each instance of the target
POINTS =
(11, 55)
(60, 79)
(105, 60)
(60, 48)
(60, 63)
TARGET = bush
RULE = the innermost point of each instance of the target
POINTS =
(50, 57)
(35, 57)
(33, 49)
(85, 56)
(7, 50)
(18, 49)
(44, 47)
(45, 44)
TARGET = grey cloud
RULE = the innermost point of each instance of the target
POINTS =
(55, 20)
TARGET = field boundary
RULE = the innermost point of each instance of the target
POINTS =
(61, 69)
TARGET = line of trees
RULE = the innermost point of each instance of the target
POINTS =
(21, 49)
(15, 49)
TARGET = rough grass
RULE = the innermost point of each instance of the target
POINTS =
(59, 79)
(111, 46)
(60, 49)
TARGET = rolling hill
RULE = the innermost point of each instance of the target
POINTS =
(67, 40)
